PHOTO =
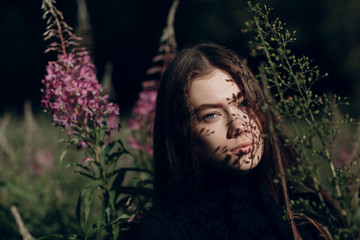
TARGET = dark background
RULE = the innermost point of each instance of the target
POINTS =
(127, 34)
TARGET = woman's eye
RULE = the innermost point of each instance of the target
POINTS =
(244, 103)
(210, 116)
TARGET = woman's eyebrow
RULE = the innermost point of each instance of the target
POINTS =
(205, 106)
(240, 94)
(236, 97)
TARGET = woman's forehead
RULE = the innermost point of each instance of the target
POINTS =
(217, 86)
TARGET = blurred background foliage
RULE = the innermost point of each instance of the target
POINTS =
(123, 37)
(32, 177)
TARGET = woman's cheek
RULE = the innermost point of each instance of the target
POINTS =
(212, 146)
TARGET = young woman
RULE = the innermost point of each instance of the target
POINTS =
(217, 154)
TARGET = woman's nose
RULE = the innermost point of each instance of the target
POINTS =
(236, 127)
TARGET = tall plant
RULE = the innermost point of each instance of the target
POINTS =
(74, 98)
(142, 119)
(314, 126)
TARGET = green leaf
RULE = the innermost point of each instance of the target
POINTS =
(112, 195)
(88, 193)
(82, 166)
(89, 231)
(122, 217)
(87, 202)
(64, 152)
(115, 230)
(114, 156)
(74, 164)
(100, 221)
(104, 158)
(84, 174)
(108, 147)
(108, 214)
(97, 164)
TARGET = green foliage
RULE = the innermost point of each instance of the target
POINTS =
(315, 127)
(30, 176)
(46, 192)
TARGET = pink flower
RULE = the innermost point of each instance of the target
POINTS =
(142, 121)
(146, 103)
(131, 218)
(134, 124)
(72, 93)
(86, 159)
(83, 144)
(149, 149)
(43, 160)
(113, 122)
(134, 144)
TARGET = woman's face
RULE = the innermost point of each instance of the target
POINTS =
(229, 137)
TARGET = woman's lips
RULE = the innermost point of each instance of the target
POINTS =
(243, 148)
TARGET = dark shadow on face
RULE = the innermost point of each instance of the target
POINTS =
(238, 149)
(248, 128)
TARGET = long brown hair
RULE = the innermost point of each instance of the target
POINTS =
(177, 169)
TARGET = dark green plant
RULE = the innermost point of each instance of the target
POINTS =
(314, 126)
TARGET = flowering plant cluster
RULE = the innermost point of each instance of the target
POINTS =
(72, 94)
(142, 119)
(74, 98)
(314, 125)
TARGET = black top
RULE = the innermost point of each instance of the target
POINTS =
(244, 210)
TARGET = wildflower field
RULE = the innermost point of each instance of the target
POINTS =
(80, 168)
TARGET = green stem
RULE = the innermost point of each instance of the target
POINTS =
(321, 135)
(305, 95)
(273, 66)
(61, 36)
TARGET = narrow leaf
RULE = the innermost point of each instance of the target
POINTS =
(84, 174)
(64, 152)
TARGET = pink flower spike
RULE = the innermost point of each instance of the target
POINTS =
(73, 93)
